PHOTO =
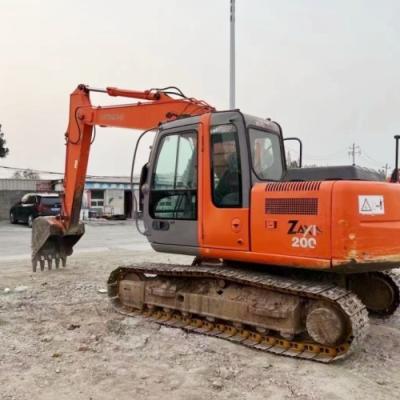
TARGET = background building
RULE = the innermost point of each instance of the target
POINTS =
(103, 196)
(109, 196)
(11, 191)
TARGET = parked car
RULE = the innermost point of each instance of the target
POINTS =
(33, 205)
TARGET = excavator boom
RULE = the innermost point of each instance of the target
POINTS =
(54, 237)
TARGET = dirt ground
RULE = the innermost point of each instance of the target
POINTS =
(59, 339)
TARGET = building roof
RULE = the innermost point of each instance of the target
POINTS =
(108, 179)
(111, 179)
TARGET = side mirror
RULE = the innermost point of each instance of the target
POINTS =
(300, 144)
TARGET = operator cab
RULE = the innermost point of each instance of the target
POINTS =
(205, 168)
(239, 151)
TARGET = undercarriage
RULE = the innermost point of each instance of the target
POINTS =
(317, 318)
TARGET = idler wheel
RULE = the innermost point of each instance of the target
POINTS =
(325, 325)
(378, 291)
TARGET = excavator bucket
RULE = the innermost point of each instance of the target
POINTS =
(51, 242)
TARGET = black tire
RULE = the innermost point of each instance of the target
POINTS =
(12, 218)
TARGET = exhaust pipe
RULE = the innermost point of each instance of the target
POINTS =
(395, 175)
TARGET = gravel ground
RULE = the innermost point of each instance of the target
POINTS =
(59, 339)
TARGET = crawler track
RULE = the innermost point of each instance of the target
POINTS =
(299, 347)
(394, 279)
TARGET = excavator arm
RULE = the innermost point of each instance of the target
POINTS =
(54, 237)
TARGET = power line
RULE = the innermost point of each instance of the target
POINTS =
(321, 157)
(39, 171)
(33, 170)
(373, 159)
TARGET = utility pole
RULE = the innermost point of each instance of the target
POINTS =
(353, 151)
(232, 58)
(385, 168)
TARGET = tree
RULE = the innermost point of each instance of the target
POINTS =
(3, 149)
(26, 174)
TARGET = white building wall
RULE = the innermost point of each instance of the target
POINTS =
(24, 184)
(114, 202)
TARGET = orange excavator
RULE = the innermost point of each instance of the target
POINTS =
(288, 261)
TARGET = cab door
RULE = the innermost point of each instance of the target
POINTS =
(170, 196)
(225, 184)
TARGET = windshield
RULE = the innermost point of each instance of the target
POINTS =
(50, 201)
(266, 154)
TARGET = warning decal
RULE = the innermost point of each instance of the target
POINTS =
(371, 205)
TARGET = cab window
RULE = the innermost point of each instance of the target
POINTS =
(266, 154)
(174, 182)
(225, 173)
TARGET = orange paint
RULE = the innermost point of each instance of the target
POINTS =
(365, 237)
(223, 228)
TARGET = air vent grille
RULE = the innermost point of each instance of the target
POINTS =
(298, 206)
(292, 186)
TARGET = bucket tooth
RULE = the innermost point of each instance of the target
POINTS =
(34, 265)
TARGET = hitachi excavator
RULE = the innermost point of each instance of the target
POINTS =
(288, 261)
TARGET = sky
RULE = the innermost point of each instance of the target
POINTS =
(328, 72)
